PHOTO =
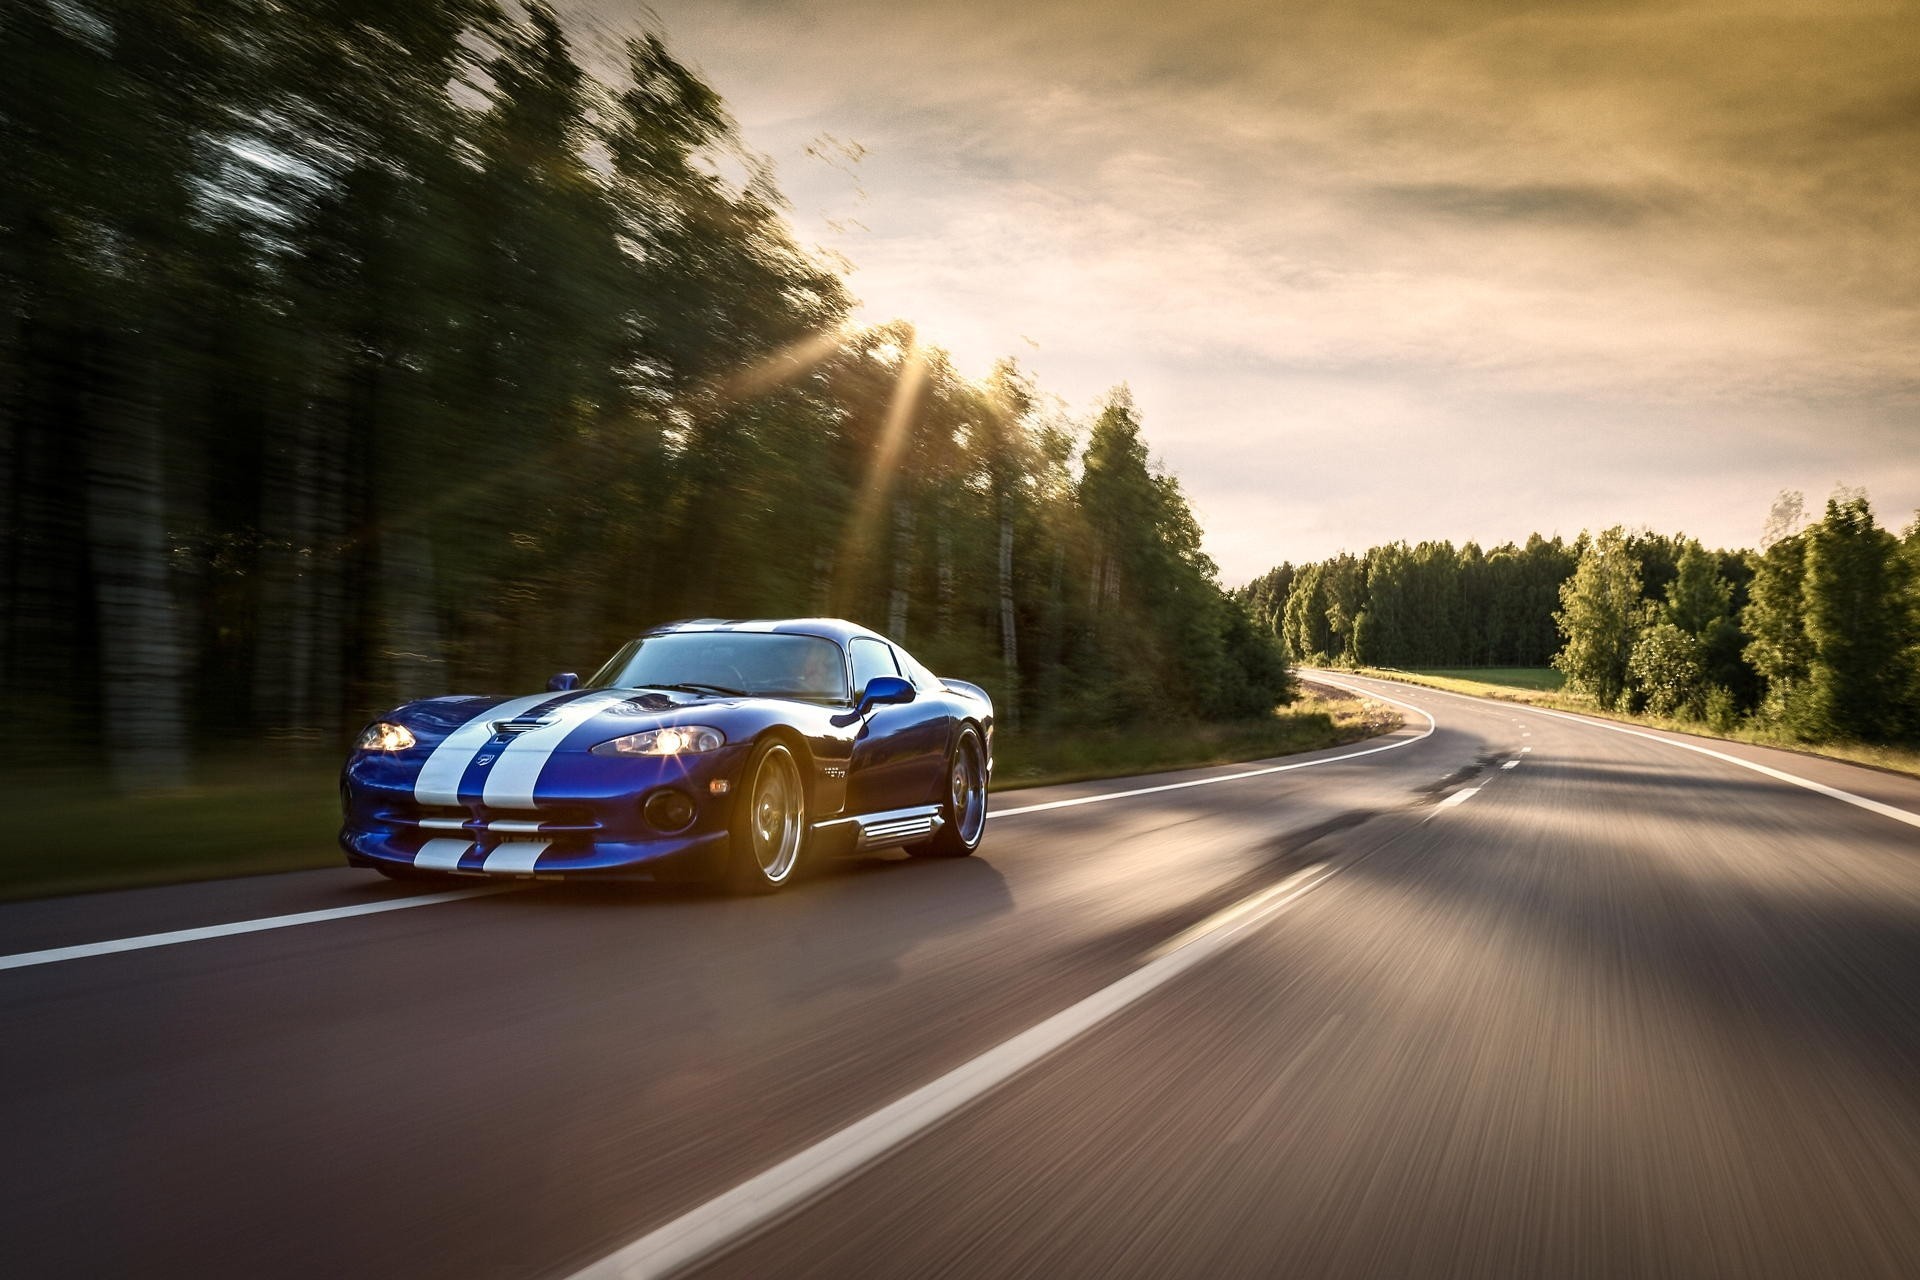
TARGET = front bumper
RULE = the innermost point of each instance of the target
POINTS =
(588, 820)
(531, 858)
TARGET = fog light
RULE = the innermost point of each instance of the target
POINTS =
(669, 810)
(718, 787)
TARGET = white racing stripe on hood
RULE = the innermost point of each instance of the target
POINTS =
(439, 780)
(511, 780)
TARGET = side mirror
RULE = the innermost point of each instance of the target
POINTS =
(883, 689)
(564, 681)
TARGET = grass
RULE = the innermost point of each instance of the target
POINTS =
(1309, 724)
(1540, 687)
(71, 834)
(1544, 679)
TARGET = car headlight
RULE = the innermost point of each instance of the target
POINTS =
(673, 740)
(385, 736)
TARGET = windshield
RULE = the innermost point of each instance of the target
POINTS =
(760, 663)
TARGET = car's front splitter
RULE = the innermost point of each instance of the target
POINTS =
(669, 857)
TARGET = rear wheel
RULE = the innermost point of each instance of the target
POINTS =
(965, 807)
(769, 828)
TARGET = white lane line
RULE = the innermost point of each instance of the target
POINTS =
(449, 857)
(1907, 816)
(799, 1178)
(54, 955)
(1248, 773)
(1460, 797)
(1511, 764)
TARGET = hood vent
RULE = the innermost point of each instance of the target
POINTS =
(651, 702)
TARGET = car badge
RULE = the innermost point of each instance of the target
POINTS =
(484, 760)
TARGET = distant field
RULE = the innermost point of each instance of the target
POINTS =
(1509, 677)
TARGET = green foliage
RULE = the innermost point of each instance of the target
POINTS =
(360, 352)
(1676, 671)
(1698, 597)
(1164, 636)
(1833, 617)
(1816, 637)
(1417, 606)
(1668, 671)
(1600, 613)
(1722, 712)
(1779, 651)
(1859, 616)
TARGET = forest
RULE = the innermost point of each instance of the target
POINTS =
(360, 350)
(1814, 635)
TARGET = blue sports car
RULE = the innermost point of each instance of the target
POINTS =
(732, 750)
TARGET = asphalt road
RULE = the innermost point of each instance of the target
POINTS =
(1621, 1009)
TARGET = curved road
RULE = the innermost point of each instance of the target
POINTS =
(1621, 1008)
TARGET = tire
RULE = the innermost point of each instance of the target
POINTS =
(965, 805)
(768, 831)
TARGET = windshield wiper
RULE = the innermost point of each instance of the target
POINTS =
(695, 686)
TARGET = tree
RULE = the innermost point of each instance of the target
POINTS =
(1858, 625)
(1779, 650)
(1599, 615)
(1667, 670)
(1304, 622)
(1009, 404)
(1699, 605)
(1785, 518)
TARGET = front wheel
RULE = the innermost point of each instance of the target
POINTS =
(769, 827)
(965, 809)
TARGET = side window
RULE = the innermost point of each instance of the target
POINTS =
(870, 659)
(923, 680)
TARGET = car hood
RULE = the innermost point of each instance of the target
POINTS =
(615, 710)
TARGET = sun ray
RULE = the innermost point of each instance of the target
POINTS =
(863, 520)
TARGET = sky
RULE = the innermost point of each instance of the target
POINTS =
(1382, 270)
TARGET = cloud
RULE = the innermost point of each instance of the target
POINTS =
(1569, 203)
(1373, 268)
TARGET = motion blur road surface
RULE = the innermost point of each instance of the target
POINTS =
(1621, 1009)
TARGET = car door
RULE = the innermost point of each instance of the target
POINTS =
(900, 750)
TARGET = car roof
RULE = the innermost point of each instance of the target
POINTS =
(837, 629)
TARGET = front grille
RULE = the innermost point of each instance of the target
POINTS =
(558, 820)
